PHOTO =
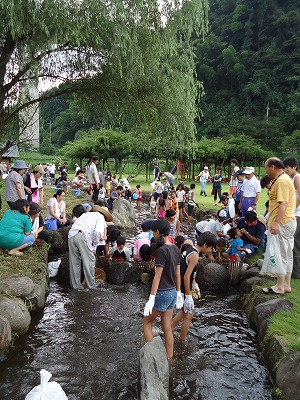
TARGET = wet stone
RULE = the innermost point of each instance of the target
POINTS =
(15, 311)
(19, 287)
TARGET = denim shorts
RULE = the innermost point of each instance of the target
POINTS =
(165, 300)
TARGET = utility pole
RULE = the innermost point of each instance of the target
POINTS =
(50, 131)
(267, 108)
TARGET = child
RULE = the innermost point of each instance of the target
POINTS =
(188, 265)
(102, 192)
(119, 252)
(181, 200)
(220, 248)
(152, 206)
(161, 211)
(235, 246)
(174, 223)
(138, 192)
(174, 204)
(127, 193)
(165, 290)
(191, 202)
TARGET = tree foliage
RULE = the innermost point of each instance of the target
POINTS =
(116, 52)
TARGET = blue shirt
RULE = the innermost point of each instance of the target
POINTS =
(235, 243)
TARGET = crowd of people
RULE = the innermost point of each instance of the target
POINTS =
(234, 233)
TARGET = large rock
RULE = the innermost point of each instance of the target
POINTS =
(35, 301)
(63, 276)
(153, 371)
(213, 277)
(289, 367)
(264, 311)
(118, 273)
(19, 287)
(123, 214)
(248, 284)
(57, 243)
(15, 311)
(5, 332)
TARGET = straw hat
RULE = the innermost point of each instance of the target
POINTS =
(104, 211)
(38, 168)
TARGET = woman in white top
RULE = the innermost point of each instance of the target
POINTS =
(56, 209)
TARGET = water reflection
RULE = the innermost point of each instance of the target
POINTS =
(90, 341)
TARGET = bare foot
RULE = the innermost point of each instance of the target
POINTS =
(15, 253)
(288, 290)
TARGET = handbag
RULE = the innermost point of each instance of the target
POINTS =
(272, 261)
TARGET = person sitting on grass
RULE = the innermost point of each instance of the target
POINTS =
(119, 252)
(16, 228)
(236, 251)
(38, 224)
(221, 247)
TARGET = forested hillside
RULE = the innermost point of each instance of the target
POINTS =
(250, 66)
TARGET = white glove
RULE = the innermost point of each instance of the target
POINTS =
(248, 251)
(188, 304)
(149, 305)
(196, 291)
(179, 300)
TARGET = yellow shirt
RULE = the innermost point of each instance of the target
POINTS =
(282, 191)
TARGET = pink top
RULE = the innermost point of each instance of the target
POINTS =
(137, 245)
(139, 193)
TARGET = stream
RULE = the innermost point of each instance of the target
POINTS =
(90, 342)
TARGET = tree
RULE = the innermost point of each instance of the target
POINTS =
(78, 43)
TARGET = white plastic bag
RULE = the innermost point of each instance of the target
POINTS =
(272, 261)
(46, 390)
(53, 268)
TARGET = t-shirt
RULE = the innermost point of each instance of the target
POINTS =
(137, 245)
(184, 265)
(203, 176)
(235, 243)
(257, 231)
(11, 193)
(58, 210)
(13, 226)
(110, 202)
(218, 184)
(251, 187)
(101, 194)
(282, 190)
(180, 195)
(239, 190)
(92, 171)
(167, 257)
(118, 255)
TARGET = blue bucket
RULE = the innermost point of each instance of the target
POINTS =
(51, 224)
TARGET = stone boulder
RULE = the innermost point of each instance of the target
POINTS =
(289, 366)
(35, 301)
(213, 277)
(57, 244)
(15, 311)
(263, 312)
(119, 273)
(5, 332)
(19, 287)
(123, 214)
(153, 380)
(248, 284)
(62, 276)
(249, 273)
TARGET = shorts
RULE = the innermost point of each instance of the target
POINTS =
(165, 300)
(190, 210)
(181, 204)
(157, 196)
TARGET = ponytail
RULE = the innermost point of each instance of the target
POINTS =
(163, 227)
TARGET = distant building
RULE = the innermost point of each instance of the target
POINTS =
(10, 154)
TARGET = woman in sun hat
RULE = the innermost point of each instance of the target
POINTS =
(14, 189)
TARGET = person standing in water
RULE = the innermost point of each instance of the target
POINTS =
(165, 290)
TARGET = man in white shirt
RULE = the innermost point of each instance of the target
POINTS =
(250, 192)
(93, 177)
(84, 236)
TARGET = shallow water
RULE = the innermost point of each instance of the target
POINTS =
(90, 342)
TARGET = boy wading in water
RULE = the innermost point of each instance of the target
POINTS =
(165, 290)
(188, 267)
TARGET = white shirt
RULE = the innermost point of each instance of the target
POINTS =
(92, 225)
(92, 173)
(52, 169)
(180, 196)
(58, 211)
(203, 176)
(297, 212)
(251, 187)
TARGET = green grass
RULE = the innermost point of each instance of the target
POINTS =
(286, 323)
